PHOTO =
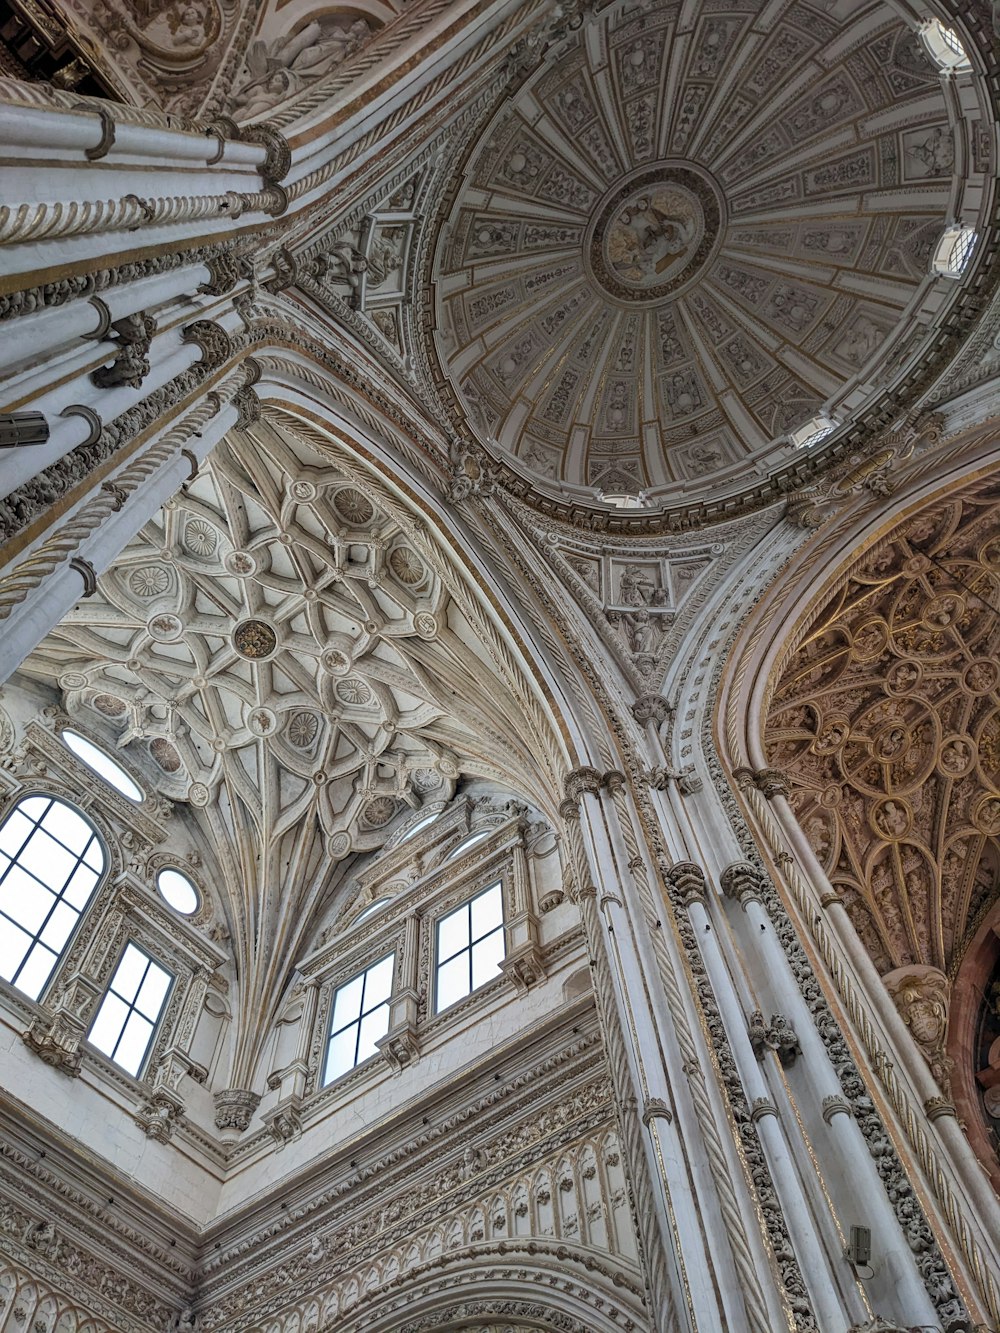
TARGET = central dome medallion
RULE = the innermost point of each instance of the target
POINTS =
(692, 231)
(654, 232)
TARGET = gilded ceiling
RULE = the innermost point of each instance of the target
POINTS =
(887, 724)
(672, 247)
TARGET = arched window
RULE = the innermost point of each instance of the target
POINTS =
(944, 46)
(954, 251)
(51, 861)
(102, 764)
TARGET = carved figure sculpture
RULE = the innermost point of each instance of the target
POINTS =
(290, 63)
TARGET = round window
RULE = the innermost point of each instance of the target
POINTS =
(177, 891)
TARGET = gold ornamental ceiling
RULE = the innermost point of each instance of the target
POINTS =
(677, 243)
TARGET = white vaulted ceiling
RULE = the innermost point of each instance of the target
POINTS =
(275, 650)
(693, 228)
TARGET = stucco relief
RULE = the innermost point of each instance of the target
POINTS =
(609, 266)
(886, 725)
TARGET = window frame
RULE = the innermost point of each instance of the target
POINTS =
(437, 962)
(391, 956)
(54, 798)
(157, 1024)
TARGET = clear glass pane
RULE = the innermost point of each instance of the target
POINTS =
(347, 1004)
(15, 832)
(373, 1026)
(94, 855)
(420, 824)
(453, 932)
(153, 992)
(17, 883)
(70, 828)
(102, 764)
(129, 975)
(36, 971)
(487, 956)
(468, 842)
(59, 927)
(452, 981)
(35, 806)
(340, 1055)
(178, 891)
(487, 912)
(14, 944)
(378, 987)
(372, 908)
(108, 1024)
(80, 887)
(25, 902)
(134, 1042)
(48, 860)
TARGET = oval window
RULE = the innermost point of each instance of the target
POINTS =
(177, 891)
(102, 764)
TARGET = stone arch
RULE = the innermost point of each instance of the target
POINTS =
(568, 1290)
(812, 623)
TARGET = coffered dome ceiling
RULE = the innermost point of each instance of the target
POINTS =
(691, 231)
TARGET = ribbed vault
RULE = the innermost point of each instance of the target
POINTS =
(886, 722)
(289, 650)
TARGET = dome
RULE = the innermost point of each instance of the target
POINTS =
(677, 257)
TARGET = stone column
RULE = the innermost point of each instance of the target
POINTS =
(694, 1283)
(832, 1303)
(900, 1291)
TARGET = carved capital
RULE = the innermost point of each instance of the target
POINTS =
(688, 881)
(248, 408)
(278, 159)
(761, 1107)
(234, 1108)
(212, 341)
(937, 1107)
(285, 270)
(56, 1040)
(582, 782)
(652, 708)
(769, 781)
(160, 1114)
(224, 273)
(835, 1105)
(741, 881)
(655, 1108)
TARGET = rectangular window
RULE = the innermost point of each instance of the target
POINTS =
(130, 1010)
(359, 1017)
(470, 947)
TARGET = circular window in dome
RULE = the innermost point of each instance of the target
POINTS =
(102, 764)
(177, 891)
